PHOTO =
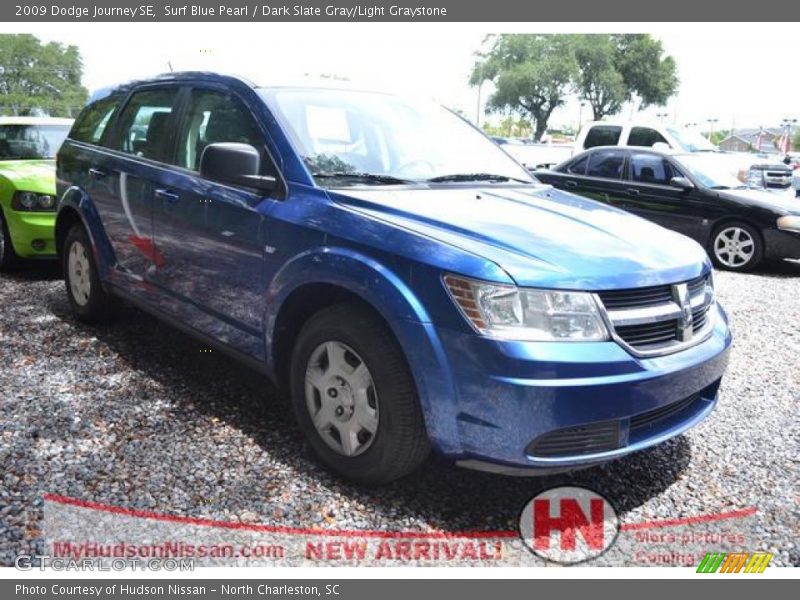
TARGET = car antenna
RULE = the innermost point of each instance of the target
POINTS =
(169, 64)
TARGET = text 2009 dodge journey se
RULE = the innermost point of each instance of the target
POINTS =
(409, 284)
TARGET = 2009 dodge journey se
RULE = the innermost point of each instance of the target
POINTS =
(407, 282)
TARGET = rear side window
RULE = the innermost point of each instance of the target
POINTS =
(645, 136)
(607, 164)
(143, 124)
(602, 135)
(649, 168)
(578, 167)
(91, 124)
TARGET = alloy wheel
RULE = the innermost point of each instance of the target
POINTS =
(734, 247)
(341, 398)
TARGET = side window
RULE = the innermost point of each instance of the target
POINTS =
(645, 136)
(217, 117)
(607, 164)
(143, 124)
(650, 168)
(93, 120)
(578, 167)
(602, 135)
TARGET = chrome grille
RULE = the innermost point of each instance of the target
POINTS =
(660, 319)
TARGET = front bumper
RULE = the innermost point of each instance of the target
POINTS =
(29, 229)
(512, 396)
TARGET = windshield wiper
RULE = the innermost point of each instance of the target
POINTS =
(376, 178)
(458, 177)
(720, 187)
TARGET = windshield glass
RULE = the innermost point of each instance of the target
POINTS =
(710, 171)
(398, 140)
(19, 142)
(692, 141)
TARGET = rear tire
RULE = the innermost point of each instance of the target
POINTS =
(736, 247)
(8, 258)
(89, 301)
(354, 397)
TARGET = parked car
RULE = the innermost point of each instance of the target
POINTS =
(689, 193)
(28, 147)
(754, 170)
(408, 283)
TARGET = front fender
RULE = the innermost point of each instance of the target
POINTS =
(408, 319)
(79, 201)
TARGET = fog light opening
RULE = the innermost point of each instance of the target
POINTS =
(38, 245)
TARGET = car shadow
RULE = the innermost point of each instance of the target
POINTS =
(440, 494)
(779, 268)
(34, 270)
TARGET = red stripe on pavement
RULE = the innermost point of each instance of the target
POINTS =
(146, 514)
(155, 516)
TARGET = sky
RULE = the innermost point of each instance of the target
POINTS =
(746, 75)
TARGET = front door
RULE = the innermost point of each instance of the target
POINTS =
(212, 236)
(651, 196)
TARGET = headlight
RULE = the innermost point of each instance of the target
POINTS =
(755, 179)
(33, 201)
(789, 223)
(512, 313)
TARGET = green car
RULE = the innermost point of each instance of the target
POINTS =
(28, 147)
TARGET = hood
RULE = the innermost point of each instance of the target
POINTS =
(540, 236)
(30, 175)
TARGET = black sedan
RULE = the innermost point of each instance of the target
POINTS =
(694, 194)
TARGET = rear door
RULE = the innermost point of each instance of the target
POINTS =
(142, 138)
(603, 180)
(211, 235)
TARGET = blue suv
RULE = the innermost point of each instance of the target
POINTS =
(407, 283)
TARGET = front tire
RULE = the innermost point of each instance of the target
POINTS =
(8, 258)
(736, 247)
(354, 397)
(89, 301)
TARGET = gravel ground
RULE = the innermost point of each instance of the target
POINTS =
(135, 414)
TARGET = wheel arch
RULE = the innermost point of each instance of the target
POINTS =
(325, 276)
(75, 206)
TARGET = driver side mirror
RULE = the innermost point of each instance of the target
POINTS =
(681, 183)
(235, 164)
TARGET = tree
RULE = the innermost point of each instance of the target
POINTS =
(796, 141)
(39, 78)
(532, 75)
(649, 75)
(717, 136)
(614, 69)
(599, 80)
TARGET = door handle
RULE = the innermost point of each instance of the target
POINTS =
(571, 184)
(97, 173)
(632, 192)
(167, 195)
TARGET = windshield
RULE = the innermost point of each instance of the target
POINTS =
(384, 139)
(710, 171)
(692, 141)
(19, 142)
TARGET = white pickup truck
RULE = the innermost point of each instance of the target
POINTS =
(751, 169)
